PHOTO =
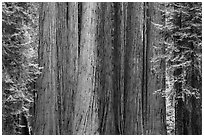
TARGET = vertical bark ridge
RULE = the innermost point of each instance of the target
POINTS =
(105, 68)
(116, 68)
(118, 63)
(100, 70)
(60, 25)
(98, 62)
(47, 90)
(144, 77)
(155, 102)
(71, 58)
(133, 70)
(79, 25)
(122, 16)
(85, 119)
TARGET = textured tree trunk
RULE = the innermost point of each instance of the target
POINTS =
(118, 67)
(86, 109)
(195, 124)
(196, 104)
(133, 69)
(58, 54)
(188, 109)
(155, 103)
(25, 125)
(104, 71)
(46, 117)
(144, 111)
(67, 42)
(96, 77)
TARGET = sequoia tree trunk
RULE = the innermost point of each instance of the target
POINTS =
(46, 108)
(133, 69)
(67, 42)
(104, 71)
(144, 111)
(58, 55)
(85, 103)
(155, 103)
(96, 77)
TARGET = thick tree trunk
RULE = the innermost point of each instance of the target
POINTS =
(67, 43)
(86, 108)
(58, 54)
(69, 64)
(133, 69)
(104, 71)
(118, 68)
(145, 111)
(96, 77)
(46, 116)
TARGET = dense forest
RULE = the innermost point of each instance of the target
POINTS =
(112, 68)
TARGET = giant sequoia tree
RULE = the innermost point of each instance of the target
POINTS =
(96, 76)
(107, 68)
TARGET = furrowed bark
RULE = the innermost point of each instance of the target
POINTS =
(58, 53)
(104, 72)
(45, 122)
(67, 42)
(133, 69)
(96, 77)
(156, 107)
(86, 109)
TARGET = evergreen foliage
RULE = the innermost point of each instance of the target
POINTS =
(19, 66)
(182, 34)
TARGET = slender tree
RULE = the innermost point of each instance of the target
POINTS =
(187, 40)
(155, 103)
(182, 34)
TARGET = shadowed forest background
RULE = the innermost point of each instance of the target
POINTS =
(102, 68)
